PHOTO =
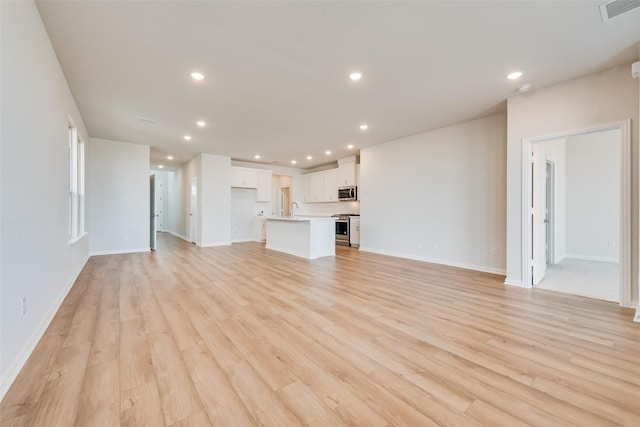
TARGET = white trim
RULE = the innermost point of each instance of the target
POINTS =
(119, 251)
(177, 235)
(208, 245)
(77, 239)
(593, 258)
(510, 281)
(481, 268)
(243, 240)
(18, 363)
(625, 202)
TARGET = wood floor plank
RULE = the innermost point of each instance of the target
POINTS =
(244, 336)
(141, 406)
(221, 402)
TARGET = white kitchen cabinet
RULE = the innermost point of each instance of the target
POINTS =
(261, 229)
(354, 231)
(320, 186)
(331, 185)
(264, 186)
(305, 182)
(347, 171)
(244, 177)
(317, 187)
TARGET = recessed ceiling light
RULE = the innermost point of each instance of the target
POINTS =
(169, 157)
(201, 123)
(187, 137)
(257, 156)
(364, 127)
(293, 162)
(327, 152)
(160, 166)
(350, 146)
(197, 76)
(309, 157)
(515, 75)
(355, 76)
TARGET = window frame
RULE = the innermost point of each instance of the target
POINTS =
(76, 147)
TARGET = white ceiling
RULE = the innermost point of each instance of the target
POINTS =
(276, 71)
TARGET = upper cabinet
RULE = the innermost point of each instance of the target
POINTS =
(305, 181)
(347, 171)
(244, 177)
(264, 186)
(253, 178)
(330, 191)
(323, 186)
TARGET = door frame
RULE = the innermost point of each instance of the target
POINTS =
(193, 211)
(551, 212)
(625, 202)
(152, 212)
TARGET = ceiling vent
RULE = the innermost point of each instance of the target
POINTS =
(611, 9)
(145, 121)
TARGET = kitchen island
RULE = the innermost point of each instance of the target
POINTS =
(306, 237)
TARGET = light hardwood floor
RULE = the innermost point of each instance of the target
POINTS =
(242, 336)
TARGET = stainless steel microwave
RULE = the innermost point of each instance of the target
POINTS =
(348, 193)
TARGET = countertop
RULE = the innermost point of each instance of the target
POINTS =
(299, 218)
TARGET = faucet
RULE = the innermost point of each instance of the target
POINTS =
(292, 205)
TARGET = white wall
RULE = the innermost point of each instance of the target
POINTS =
(555, 151)
(594, 100)
(593, 196)
(243, 215)
(119, 182)
(438, 196)
(215, 196)
(37, 262)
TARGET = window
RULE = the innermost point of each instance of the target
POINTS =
(76, 184)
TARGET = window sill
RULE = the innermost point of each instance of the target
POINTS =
(77, 239)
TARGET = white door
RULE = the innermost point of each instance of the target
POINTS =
(550, 209)
(193, 211)
(152, 212)
(159, 205)
(539, 203)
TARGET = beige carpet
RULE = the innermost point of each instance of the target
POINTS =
(593, 279)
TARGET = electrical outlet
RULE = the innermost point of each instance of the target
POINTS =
(23, 305)
(126, 237)
(234, 231)
(612, 243)
(493, 251)
(419, 245)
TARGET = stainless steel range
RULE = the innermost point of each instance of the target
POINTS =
(342, 228)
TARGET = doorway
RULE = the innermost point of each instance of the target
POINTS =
(159, 201)
(152, 212)
(285, 207)
(193, 211)
(577, 211)
(550, 212)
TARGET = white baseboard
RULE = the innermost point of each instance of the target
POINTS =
(474, 267)
(510, 281)
(593, 258)
(243, 240)
(185, 238)
(208, 245)
(18, 363)
(120, 251)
